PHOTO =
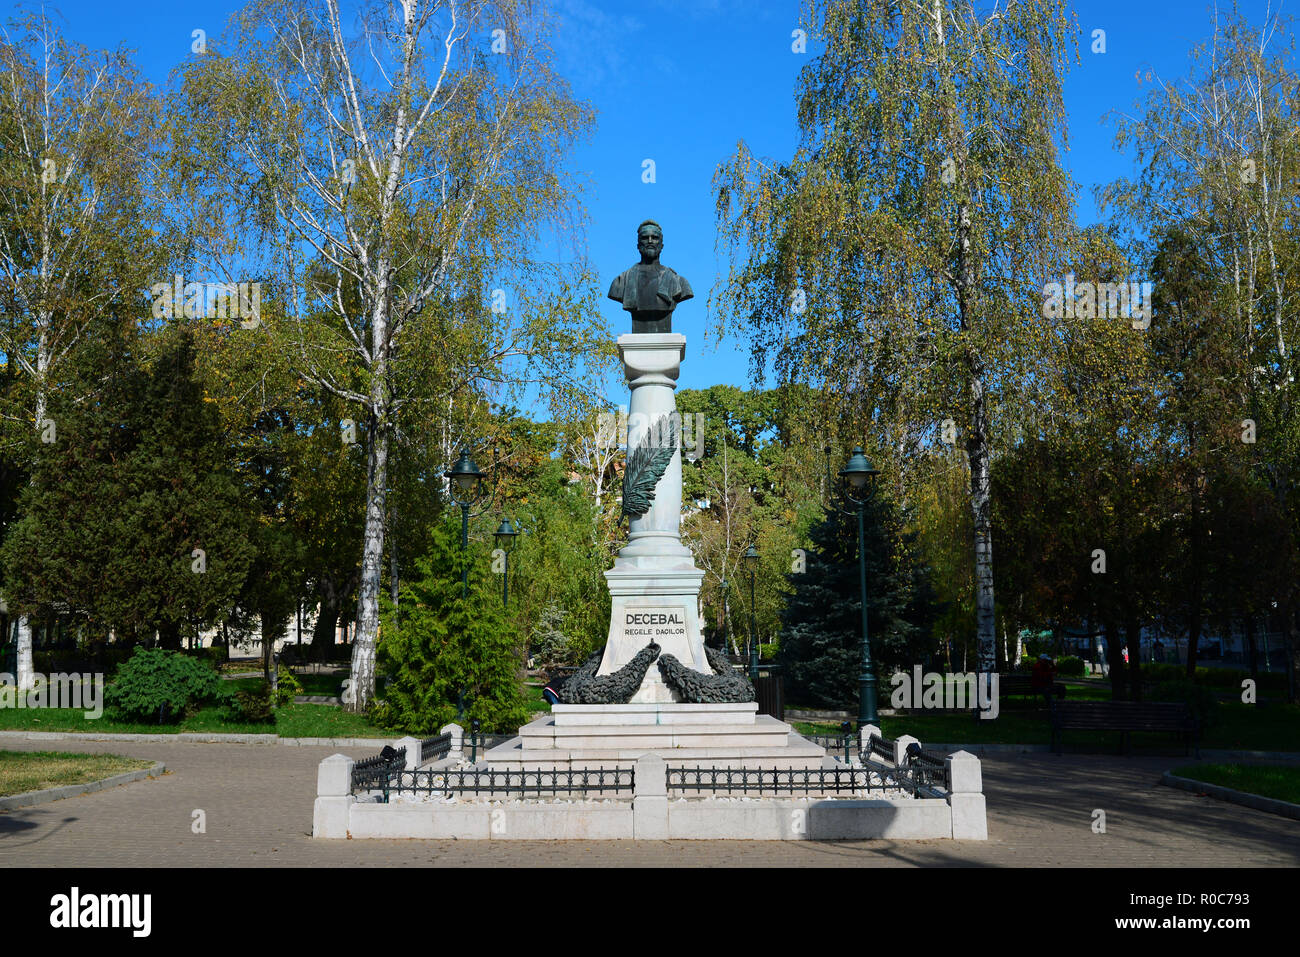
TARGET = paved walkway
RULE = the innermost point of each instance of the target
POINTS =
(258, 802)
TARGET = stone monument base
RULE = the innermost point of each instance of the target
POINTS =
(690, 735)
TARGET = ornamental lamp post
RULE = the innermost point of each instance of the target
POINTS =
(858, 473)
(466, 481)
(751, 564)
(505, 536)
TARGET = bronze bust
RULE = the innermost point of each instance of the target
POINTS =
(650, 290)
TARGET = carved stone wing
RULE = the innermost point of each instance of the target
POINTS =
(645, 467)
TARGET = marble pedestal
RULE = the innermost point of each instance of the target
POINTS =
(692, 735)
(654, 585)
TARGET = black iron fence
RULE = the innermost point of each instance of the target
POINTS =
(497, 782)
(839, 745)
(435, 748)
(372, 774)
(928, 769)
(684, 781)
(476, 741)
(882, 748)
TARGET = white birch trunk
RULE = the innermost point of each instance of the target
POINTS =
(26, 677)
(372, 555)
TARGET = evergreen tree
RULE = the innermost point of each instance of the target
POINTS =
(449, 651)
(821, 641)
(132, 516)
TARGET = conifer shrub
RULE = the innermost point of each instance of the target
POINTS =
(441, 651)
(158, 685)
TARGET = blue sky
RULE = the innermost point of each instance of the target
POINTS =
(681, 81)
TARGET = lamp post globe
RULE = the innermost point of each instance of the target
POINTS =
(857, 473)
(505, 536)
(465, 480)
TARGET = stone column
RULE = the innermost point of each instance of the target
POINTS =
(865, 734)
(966, 800)
(457, 740)
(412, 746)
(650, 804)
(900, 748)
(654, 583)
(334, 800)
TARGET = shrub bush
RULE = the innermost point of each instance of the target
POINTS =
(1068, 666)
(251, 707)
(161, 685)
(1225, 678)
(287, 685)
(215, 656)
(448, 649)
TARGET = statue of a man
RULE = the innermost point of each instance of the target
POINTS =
(650, 290)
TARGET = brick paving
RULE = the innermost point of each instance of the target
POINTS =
(258, 801)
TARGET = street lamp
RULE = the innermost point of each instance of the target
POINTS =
(857, 474)
(505, 536)
(751, 564)
(466, 482)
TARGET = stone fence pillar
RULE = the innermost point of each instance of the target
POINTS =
(457, 740)
(334, 799)
(650, 799)
(966, 799)
(412, 746)
(865, 734)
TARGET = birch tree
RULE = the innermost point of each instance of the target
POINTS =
(76, 135)
(1218, 153)
(394, 167)
(899, 259)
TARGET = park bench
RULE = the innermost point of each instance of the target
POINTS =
(1125, 717)
(1022, 686)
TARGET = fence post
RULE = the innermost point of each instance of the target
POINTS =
(330, 816)
(457, 741)
(900, 748)
(412, 746)
(865, 734)
(650, 799)
(966, 799)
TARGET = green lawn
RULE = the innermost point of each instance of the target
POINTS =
(1282, 783)
(313, 684)
(23, 771)
(534, 700)
(292, 721)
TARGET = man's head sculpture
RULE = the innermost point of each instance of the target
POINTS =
(649, 241)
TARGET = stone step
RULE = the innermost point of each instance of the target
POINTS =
(653, 713)
(546, 733)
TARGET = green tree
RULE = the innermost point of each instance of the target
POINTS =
(78, 217)
(899, 259)
(401, 196)
(447, 651)
(135, 513)
(821, 637)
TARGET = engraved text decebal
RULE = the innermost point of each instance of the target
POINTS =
(655, 624)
